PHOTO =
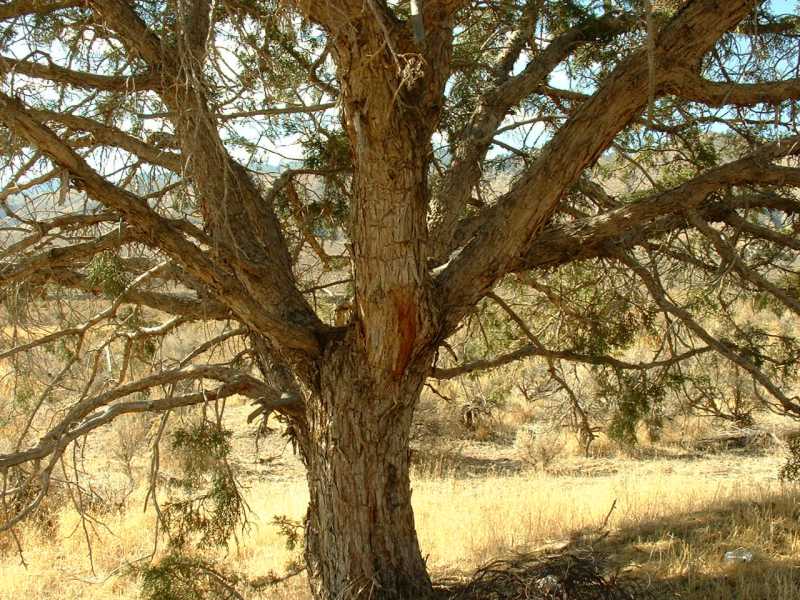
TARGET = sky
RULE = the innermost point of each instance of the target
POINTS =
(784, 6)
(283, 149)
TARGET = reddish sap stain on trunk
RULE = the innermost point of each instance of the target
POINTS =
(406, 311)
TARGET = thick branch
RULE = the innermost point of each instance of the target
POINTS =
(182, 304)
(81, 79)
(654, 286)
(19, 8)
(525, 209)
(660, 213)
(232, 207)
(111, 136)
(478, 135)
(690, 85)
(530, 350)
(332, 15)
(731, 256)
(142, 42)
(293, 330)
(61, 256)
(84, 416)
(290, 109)
(763, 233)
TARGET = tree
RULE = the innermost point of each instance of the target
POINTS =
(136, 140)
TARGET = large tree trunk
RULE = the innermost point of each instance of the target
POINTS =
(360, 535)
(361, 540)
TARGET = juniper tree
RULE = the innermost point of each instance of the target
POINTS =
(645, 147)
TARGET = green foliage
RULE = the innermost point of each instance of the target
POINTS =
(766, 301)
(24, 394)
(18, 300)
(146, 348)
(133, 320)
(209, 506)
(106, 272)
(330, 151)
(490, 329)
(201, 448)
(604, 313)
(752, 341)
(328, 208)
(291, 530)
(791, 470)
(63, 351)
(212, 517)
(790, 283)
(181, 577)
(21, 491)
(637, 399)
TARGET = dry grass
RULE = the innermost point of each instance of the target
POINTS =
(672, 522)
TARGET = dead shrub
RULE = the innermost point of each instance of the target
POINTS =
(430, 424)
(131, 436)
(436, 461)
(538, 449)
(23, 491)
(478, 415)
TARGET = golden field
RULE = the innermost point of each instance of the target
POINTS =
(674, 516)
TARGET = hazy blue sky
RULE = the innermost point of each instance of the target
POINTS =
(783, 6)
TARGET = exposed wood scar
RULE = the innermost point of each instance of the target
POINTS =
(406, 311)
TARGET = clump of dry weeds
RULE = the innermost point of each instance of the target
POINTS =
(538, 449)
(575, 574)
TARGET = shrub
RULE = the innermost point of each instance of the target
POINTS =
(791, 470)
(182, 577)
(538, 449)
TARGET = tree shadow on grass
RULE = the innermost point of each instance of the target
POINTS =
(676, 557)
(683, 554)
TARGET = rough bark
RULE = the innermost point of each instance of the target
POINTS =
(391, 99)
(360, 536)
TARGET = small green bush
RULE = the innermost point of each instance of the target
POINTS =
(791, 470)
